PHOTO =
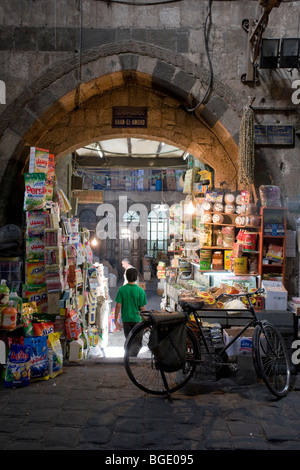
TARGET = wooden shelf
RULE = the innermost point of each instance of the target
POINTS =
(264, 239)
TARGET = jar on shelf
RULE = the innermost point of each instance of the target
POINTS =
(217, 218)
(218, 207)
(217, 261)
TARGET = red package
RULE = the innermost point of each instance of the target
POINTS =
(73, 327)
(43, 328)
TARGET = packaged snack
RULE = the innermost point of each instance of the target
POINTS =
(35, 191)
(55, 354)
(38, 357)
(35, 272)
(214, 196)
(17, 372)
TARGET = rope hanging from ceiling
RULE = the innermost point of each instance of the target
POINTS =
(246, 155)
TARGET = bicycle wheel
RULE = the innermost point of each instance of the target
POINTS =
(271, 358)
(142, 368)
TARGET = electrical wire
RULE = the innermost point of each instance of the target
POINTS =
(140, 4)
(206, 36)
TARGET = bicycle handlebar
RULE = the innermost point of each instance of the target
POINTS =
(241, 294)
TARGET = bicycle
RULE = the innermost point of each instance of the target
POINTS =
(144, 365)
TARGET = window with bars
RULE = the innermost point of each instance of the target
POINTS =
(157, 233)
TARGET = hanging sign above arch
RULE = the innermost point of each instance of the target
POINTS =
(128, 116)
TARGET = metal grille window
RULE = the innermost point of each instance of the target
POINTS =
(157, 232)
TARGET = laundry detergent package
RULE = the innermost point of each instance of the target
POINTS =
(17, 372)
(35, 273)
(36, 222)
(43, 328)
(38, 294)
(35, 191)
(35, 247)
(55, 354)
(38, 357)
(38, 160)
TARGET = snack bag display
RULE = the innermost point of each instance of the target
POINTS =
(17, 372)
(35, 191)
(55, 354)
(38, 357)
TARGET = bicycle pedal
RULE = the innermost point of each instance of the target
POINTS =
(233, 367)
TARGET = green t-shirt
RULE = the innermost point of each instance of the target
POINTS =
(132, 298)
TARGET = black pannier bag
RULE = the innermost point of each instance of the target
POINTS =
(168, 340)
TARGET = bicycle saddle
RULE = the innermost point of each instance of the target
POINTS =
(191, 305)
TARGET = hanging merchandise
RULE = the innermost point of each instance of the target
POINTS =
(9, 317)
(55, 354)
(17, 372)
(38, 357)
(4, 293)
(73, 326)
(246, 155)
(35, 191)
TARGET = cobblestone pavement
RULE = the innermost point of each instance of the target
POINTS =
(95, 406)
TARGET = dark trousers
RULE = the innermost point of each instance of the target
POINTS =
(136, 346)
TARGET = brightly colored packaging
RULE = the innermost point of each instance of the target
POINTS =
(9, 317)
(38, 357)
(55, 354)
(16, 300)
(17, 372)
(35, 272)
(35, 191)
(73, 326)
(43, 328)
(37, 294)
(4, 293)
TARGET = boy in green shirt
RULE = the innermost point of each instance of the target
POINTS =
(130, 300)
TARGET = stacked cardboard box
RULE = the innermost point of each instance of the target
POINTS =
(146, 269)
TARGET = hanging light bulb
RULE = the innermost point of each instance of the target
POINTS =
(94, 241)
(191, 208)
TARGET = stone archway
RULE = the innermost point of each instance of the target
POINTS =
(61, 112)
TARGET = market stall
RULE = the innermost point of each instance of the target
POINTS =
(58, 307)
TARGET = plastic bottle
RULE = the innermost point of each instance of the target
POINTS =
(4, 293)
(17, 301)
(9, 317)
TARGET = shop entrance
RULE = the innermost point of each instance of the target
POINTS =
(82, 114)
